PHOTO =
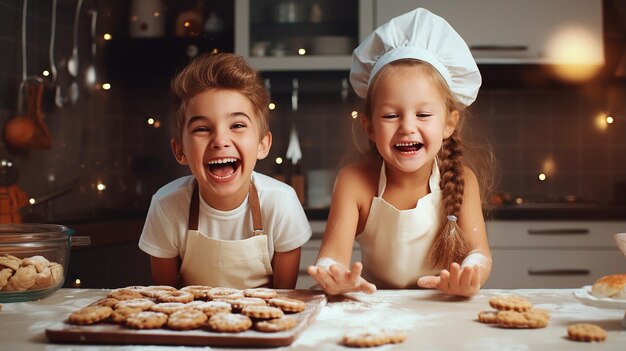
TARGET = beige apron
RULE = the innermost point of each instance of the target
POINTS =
(226, 263)
(395, 244)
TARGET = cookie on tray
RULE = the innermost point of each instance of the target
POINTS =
(261, 293)
(186, 319)
(229, 323)
(510, 303)
(90, 315)
(288, 305)
(262, 312)
(586, 332)
(146, 320)
(276, 325)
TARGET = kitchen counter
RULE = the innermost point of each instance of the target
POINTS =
(433, 322)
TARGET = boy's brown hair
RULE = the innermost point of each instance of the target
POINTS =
(219, 71)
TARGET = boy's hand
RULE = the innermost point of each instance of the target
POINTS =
(337, 279)
(458, 281)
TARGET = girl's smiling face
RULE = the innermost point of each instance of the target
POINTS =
(221, 144)
(409, 119)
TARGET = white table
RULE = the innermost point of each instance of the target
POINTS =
(432, 321)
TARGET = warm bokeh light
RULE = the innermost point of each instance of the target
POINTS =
(279, 160)
(31, 201)
(157, 124)
(45, 73)
(301, 51)
(519, 200)
(101, 186)
(548, 167)
(354, 114)
(150, 120)
(106, 86)
(601, 121)
(542, 176)
(186, 24)
(107, 36)
(272, 106)
(157, 14)
(609, 120)
(577, 54)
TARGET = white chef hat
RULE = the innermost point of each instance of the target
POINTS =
(421, 35)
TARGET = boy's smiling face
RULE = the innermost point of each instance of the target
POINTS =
(221, 144)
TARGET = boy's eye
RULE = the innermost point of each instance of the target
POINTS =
(199, 129)
(238, 125)
(423, 115)
(390, 115)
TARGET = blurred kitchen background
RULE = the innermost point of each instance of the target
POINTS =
(552, 105)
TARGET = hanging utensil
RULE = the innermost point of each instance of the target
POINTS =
(72, 64)
(293, 148)
(19, 130)
(58, 98)
(90, 73)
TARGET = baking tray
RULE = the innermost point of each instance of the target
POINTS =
(107, 333)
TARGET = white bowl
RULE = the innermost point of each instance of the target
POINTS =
(620, 240)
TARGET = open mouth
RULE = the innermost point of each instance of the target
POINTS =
(223, 168)
(411, 147)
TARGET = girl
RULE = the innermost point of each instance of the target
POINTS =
(413, 205)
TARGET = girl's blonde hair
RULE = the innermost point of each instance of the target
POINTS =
(451, 244)
(219, 71)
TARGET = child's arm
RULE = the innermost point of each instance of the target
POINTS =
(465, 279)
(164, 271)
(286, 266)
(332, 270)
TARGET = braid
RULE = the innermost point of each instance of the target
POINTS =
(450, 245)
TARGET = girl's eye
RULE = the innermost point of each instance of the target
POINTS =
(390, 115)
(238, 125)
(423, 115)
(200, 129)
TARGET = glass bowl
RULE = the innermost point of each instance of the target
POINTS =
(33, 260)
(620, 240)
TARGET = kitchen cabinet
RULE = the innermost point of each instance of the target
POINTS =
(515, 32)
(288, 35)
(553, 254)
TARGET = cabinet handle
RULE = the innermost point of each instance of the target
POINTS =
(499, 48)
(562, 231)
(571, 271)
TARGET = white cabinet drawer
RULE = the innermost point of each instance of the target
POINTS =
(538, 268)
(507, 234)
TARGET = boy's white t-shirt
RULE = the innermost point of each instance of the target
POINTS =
(164, 233)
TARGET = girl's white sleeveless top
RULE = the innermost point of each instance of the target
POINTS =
(395, 243)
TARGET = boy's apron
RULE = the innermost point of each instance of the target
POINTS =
(226, 263)
(395, 244)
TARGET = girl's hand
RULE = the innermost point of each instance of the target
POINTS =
(458, 281)
(337, 279)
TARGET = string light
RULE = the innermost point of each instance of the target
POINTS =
(272, 106)
(279, 160)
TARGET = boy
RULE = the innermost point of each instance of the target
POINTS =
(224, 225)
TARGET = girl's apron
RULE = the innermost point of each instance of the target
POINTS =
(226, 263)
(395, 244)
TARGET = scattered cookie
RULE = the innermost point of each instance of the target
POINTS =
(373, 337)
(90, 315)
(488, 317)
(510, 303)
(586, 332)
(275, 325)
(186, 319)
(146, 320)
(526, 319)
(287, 304)
(229, 323)
(262, 312)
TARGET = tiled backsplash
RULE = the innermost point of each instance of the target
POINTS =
(105, 136)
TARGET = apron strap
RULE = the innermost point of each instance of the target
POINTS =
(255, 207)
(194, 208)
